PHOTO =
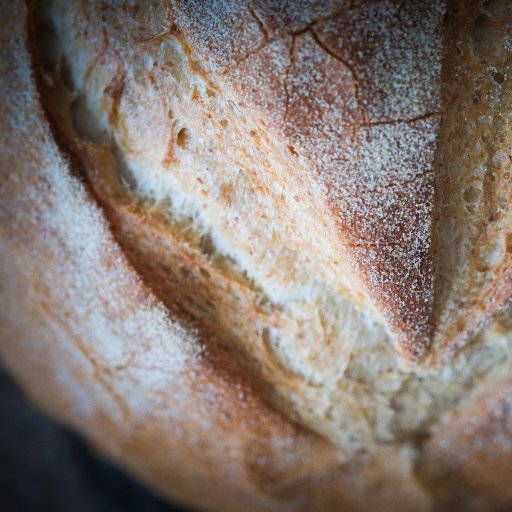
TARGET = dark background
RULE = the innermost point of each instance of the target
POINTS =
(46, 468)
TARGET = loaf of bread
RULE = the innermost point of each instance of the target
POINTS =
(259, 252)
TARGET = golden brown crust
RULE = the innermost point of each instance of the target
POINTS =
(183, 266)
(159, 430)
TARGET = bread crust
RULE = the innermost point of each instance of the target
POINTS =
(116, 323)
(473, 265)
(91, 344)
(97, 380)
(381, 209)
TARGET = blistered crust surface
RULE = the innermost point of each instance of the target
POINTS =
(472, 236)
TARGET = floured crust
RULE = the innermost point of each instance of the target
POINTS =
(345, 88)
(133, 325)
(94, 358)
(146, 391)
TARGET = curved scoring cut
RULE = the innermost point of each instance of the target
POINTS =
(208, 210)
(213, 212)
(355, 90)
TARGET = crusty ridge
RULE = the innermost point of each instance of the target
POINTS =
(314, 348)
(354, 91)
(92, 345)
(472, 236)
